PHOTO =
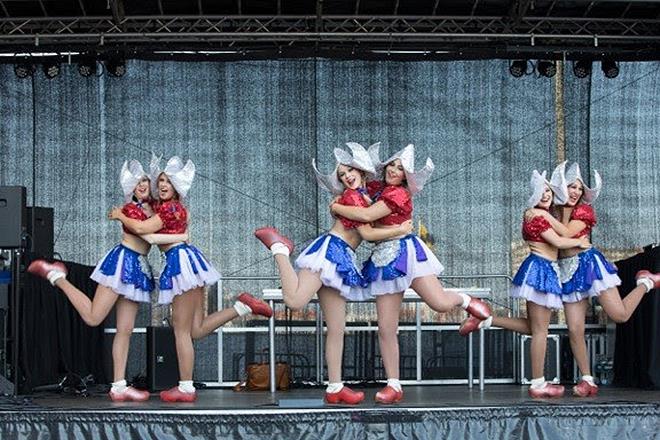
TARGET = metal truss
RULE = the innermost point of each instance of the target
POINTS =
(412, 31)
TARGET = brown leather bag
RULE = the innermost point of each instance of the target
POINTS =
(258, 377)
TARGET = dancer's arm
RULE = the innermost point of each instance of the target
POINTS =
(551, 237)
(564, 230)
(369, 233)
(366, 215)
(137, 227)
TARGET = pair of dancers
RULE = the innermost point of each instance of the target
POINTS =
(564, 270)
(373, 202)
(153, 214)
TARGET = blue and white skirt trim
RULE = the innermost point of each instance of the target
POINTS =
(394, 264)
(126, 272)
(537, 281)
(335, 261)
(586, 275)
(185, 269)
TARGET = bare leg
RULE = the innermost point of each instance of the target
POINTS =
(203, 326)
(432, 293)
(307, 285)
(520, 325)
(334, 312)
(575, 317)
(126, 312)
(288, 274)
(93, 312)
(617, 309)
(183, 311)
(539, 317)
(388, 308)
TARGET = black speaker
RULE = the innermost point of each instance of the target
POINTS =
(162, 366)
(40, 229)
(13, 216)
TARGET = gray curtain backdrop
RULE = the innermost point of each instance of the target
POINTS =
(252, 128)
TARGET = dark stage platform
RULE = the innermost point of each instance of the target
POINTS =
(434, 412)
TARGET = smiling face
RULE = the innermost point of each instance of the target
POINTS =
(141, 191)
(546, 198)
(166, 190)
(350, 177)
(575, 191)
(394, 173)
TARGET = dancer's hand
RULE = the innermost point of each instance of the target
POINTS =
(584, 243)
(406, 227)
(114, 214)
(332, 204)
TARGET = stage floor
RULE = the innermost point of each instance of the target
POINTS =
(427, 397)
(428, 412)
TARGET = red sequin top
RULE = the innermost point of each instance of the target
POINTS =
(173, 215)
(586, 214)
(352, 197)
(131, 210)
(534, 227)
(397, 198)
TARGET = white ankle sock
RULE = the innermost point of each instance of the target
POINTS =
(334, 387)
(466, 300)
(54, 275)
(589, 379)
(242, 309)
(119, 386)
(646, 282)
(186, 386)
(394, 383)
(538, 383)
(279, 249)
(486, 323)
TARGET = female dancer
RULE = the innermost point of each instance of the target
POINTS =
(123, 276)
(327, 266)
(397, 264)
(185, 274)
(587, 273)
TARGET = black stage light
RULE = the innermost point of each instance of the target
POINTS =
(518, 68)
(23, 70)
(87, 66)
(116, 67)
(582, 68)
(51, 69)
(546, 68)
(610, 68)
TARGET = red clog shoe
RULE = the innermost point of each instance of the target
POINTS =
(549, 390)
(585, 389)
(269, 235)
(257, 306)
(174, 394)
(469, 325)
(478, 309)
(389, 395)
(345, 395)
(654, 277)
(129, 395)
(42, 268)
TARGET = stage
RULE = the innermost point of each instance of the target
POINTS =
(446, 412)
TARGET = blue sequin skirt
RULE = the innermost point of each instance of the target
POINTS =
(394, 264)
(334, 260)
(185, 269)
(537, 281)
(586, 274)
(126, 272)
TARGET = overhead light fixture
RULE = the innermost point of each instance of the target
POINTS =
(518, 68)
(87, 66)
(610, 68)
(116, 66)
(582, 68)
(24, 69)
(51, 68)
(546, 68)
